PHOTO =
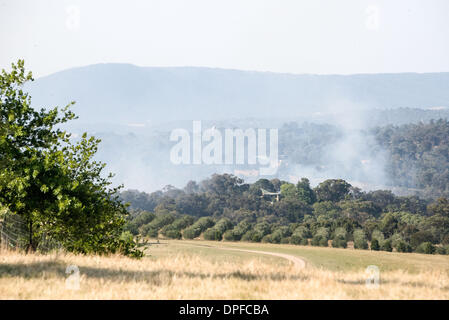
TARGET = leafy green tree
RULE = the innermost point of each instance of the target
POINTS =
(403, 246)
(420, 237)
(360, 241)
(53, 184)
(386, 246)
(288, 191)
(198, 227)
(305, 192)
(321, 237)
(388, 224)
(375, 246)
(441, 207)
(332, 190)
(426, 247)
(340, 238)
(300, 236)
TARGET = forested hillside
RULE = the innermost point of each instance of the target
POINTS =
(413, 156)
(418, 155)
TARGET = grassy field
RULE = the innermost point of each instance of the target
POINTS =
(210, 270)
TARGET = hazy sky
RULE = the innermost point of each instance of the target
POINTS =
(327, 36)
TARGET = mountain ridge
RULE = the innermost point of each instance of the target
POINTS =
(119, 92)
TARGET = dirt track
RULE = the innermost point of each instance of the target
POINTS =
(297, 261)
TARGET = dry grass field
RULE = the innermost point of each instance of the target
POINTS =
(211, 270)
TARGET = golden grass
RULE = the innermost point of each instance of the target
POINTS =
(181, 270)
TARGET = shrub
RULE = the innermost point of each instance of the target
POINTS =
(426, 247)
(403, 246)
(256, 236)
(440, 250)
(213, 234)
(262, 228)
(321, 237)
(173, 230)
(229, 236)
(339, 243)
(198, 227)
(276, 236)
(299, 241)
(223, 225)
(148, 231)
(420, 237)
(339, 240)
(151, 229)
(378, 235)
(141, 219)
(300, 236)
(375, 245)
(285, 240)
(267, 239)
(248, 236)
(189, 233)
(173, 234)
(252, 236)
(446, 248)
(182, 223)
(360, 241)
(386, 246)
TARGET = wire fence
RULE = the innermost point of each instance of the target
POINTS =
(14, 234)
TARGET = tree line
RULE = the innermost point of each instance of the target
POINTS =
(334, 213)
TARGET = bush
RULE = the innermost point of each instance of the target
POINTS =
(339, 240)
(173, 230)
(300, 236)
(198, 227)
(285, 240)
(386, 246)
(299, 241)
(420, 237)
(321, 237)
(339, 243)
(229, 236)
(189, 233)
(223, 225)
(173, 234)
(182, 223)
(375, 245)
(446, 248)
(378, 235)
(240, 229)
(148, 231)
(213, 234)
(403, 246)
(262, 228)
(135, 223)
(276, 236)
(426, 247)
(360, 241)
(161, 221)
(440, 250)
(256, 236)
(267, 239)
(248, 236)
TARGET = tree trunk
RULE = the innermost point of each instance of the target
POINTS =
(30, 247)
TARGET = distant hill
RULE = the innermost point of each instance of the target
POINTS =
(127, 94)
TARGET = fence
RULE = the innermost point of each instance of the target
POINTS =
(14, 234)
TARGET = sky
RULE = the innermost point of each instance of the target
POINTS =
(288, 36)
